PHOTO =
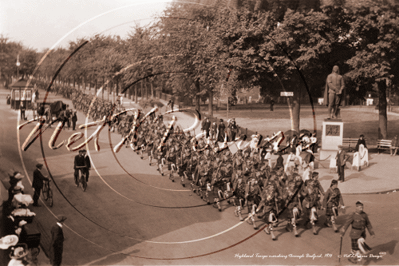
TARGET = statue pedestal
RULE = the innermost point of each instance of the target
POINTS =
(332, 135)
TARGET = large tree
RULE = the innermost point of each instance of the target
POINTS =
(375, 35)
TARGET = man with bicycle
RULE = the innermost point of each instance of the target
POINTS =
(37, 183)
(82, 164)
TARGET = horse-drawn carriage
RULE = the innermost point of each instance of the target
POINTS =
(51, 110)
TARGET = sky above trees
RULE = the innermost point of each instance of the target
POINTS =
(41, 24)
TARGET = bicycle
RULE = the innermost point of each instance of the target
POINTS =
(47, 193)
(82, 179)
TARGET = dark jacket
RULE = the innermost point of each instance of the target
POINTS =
(359, 222)
(81, 161)
(38, 179)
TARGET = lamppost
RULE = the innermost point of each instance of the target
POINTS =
(18, 64)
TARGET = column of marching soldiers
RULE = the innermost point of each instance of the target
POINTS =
(243, 178)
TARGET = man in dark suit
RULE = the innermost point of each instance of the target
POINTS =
(341, 158)
(37, 183)
(57, 242)
(206, 124)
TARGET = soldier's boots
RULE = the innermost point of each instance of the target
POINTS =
(219, 207)
(353, 260)
(334, 227)
(288, 227)
(267, 231)
(240, 216)
(295, 231)
(314, 229)
(327, 224)
(272, 234)
(254, 224)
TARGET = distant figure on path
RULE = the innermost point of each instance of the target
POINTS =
(341, 158)
(394, 147)
(271, 104)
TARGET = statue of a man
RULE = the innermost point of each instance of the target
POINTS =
(333, 92)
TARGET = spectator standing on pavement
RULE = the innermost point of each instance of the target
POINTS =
(171, 103)
(313, 143)
(36, 94)
(206, 124)
(271, 104)
(15, 186)
(360, 141)
(22, 107)
(37, 183)
(74, 119)
(232, 126)
(68, 116)
(341, 159)
(220, 134)
(213, 129)
(57, 242)
(394, 146)
(359, 221)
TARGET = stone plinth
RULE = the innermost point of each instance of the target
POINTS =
(332, 135)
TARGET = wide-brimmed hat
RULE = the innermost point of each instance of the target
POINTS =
(340, 146)
(18, 176)
(39, 165)
(82, 150)
(8, 241)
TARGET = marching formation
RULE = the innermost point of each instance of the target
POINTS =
(243, 177)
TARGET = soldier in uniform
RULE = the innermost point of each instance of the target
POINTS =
(252, 197)
(159, 154)
(269, 205)
(217, 185)
(359, 221)
(310, 203)
(293, 203)
(331, 202)
(239, 194)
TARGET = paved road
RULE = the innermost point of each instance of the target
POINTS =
(131, 215)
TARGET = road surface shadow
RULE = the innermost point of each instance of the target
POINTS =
(377, 253)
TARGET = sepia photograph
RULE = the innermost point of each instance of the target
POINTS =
(199, 132)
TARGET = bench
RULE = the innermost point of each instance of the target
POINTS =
(349, 143)
(384, 144)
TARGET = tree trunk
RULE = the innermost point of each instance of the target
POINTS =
(135, 93)
(197, 97)
(152, 88)
(210, 102)
(382, 110)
